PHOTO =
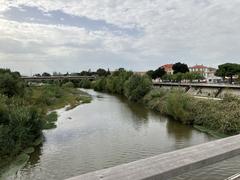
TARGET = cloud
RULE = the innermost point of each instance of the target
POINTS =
(136, 34)
(57, 17)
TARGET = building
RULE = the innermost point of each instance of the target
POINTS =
(205, 71)
(168, 68)
(141, 73)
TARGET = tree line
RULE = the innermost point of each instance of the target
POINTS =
(126, 83)
(181, 72)
(98, 72)
(228, 70)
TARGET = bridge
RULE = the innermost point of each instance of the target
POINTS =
(59, 78)
(168, 165)
(202, 89)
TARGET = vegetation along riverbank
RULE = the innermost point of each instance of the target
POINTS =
(26, 110)
(218, 118)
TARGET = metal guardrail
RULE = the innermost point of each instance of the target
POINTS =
(40, 78)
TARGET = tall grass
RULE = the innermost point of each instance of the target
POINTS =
(220, 116)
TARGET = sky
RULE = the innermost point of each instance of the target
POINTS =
(75, 35)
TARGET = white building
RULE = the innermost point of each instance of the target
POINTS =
(205, 71)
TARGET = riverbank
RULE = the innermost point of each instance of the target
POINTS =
(56, 97)
(35, 109)
(218, 118)
(107, 132)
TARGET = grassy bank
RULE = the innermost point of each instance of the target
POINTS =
(52, 97)
(24, 113)
(218, 118)
(25, 119)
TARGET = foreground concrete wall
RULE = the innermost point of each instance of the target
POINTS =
(208, 92)
(183, 89)
(193, 91)
(203, 90)
(234, 92)
(170, 164)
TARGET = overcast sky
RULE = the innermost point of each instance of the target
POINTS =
(72, 35)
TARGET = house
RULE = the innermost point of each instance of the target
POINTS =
(168, 68)
(206, 72)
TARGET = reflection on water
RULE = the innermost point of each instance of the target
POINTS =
(178, 131)
(107, 132)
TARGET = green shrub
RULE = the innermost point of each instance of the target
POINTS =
(85, 83)
(68, 85)
(137, 87)
(47, 95)
(113, 83)
(178, 106)
(220, 116)
(100, 84)
(49, 120)
(21, 126)
(11, 84)
(122, 82)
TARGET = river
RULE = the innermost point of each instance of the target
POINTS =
(107, 132)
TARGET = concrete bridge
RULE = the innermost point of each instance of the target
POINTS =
(202, 89)
(229, 86)
(60, 78)
(167, 165)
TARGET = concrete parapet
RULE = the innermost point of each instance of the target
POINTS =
(170, 164)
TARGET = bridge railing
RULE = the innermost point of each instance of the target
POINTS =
(197, 85)
(57, 78)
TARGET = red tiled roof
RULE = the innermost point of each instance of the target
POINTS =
(168, 66)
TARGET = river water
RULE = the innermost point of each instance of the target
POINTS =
(107, 132)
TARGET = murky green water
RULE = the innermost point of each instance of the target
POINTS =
(107, 132)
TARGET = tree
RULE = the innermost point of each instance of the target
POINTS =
(108, 72)
(115, 82)
(198, 76)
(100, 84)
(228, 70)
(180, 68)
(178, 77)
(118, 71)
(68, 85)
(150, 73)
(193, 76)
(37, 75)
(168, 77)
(238, 79)
(136, 87)
(11, 84)
(158, 73)
(85, 83)
(102, 72)
(46, 74)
